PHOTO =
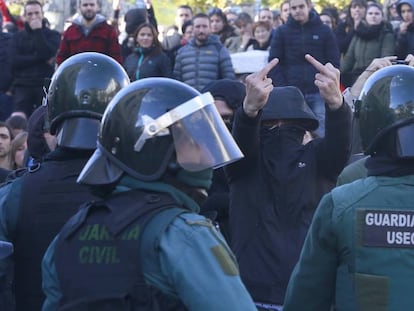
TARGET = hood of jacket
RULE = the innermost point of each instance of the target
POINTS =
(401, 2)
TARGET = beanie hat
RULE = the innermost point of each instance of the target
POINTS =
(36, 143)
(231, 91)
(134, 18)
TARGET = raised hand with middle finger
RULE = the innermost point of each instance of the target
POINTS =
(258, 88)
(327, 80)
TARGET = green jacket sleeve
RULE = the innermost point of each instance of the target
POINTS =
(312, 283)
(50, 282)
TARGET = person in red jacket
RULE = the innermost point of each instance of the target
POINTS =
(89, 32)
(8, 18)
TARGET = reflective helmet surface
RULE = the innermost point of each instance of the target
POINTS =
(386, 104)
(122, 124)
(82, 86)
(159, 123)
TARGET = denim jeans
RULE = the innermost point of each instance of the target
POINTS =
(317, 104)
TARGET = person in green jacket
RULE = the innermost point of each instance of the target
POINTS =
(373, 38)
(367, 225)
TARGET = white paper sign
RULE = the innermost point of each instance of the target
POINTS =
(249, 61)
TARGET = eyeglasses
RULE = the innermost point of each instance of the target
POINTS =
(392, 6)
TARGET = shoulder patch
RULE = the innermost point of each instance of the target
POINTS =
(225, 261)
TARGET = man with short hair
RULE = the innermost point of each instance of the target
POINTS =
(89, 33)
(303, 33)
(5, 145)
(32, 54)
(173, 39)
(265, 15)
(204, 58)
(184, 13)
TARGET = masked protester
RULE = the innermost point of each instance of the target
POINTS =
(275, 189)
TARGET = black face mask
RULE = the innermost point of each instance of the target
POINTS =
(280, 146)
(289, 133)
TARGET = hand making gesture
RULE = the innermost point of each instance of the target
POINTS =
(327, 80)
(258, 88)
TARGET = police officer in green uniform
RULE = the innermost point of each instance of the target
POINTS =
(35, 206)
(143, 246)
(368, 225)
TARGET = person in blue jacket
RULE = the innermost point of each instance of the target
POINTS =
(303, 33)
(143, 245)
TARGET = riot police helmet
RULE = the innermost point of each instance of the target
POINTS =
(385, 108)
(79, 91)
(158, 123)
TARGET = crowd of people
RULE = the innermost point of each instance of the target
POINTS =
(140, 171)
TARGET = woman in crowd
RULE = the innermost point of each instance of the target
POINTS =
(147, 59)
(18, 150)
(373, 38)
(405, 34)
(244, 23)
(390, 13)
(345, 30)
(261, 36)
(220, 27)
(328, 19)
(187, 30)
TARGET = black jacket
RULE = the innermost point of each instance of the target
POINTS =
(6, 75)
(274, 192)
(30, 50)
(343, 36)
(150, 64)
(44, 199)
(405, 42)
(291, 42)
